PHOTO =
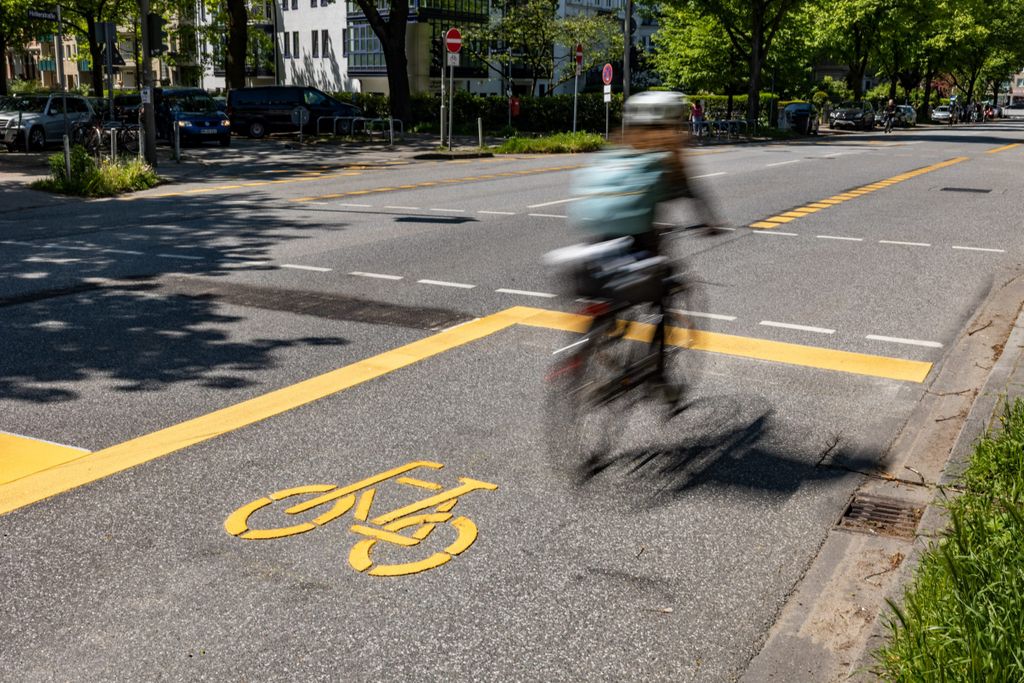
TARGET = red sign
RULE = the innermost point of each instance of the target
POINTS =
(606, 74)
(453, 40)
(579, 53)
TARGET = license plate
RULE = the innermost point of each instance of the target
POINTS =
(208, 131)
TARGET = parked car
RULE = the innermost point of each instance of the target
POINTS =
(906, 115)
(801, 117)
(126, 107)
(941, 114)
(41, 119)
(1015, 110)
(853, 114)
(195, 115)
(261, 110)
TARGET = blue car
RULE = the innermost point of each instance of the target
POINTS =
(196, 116)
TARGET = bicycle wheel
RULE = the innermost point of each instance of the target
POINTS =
(128, 140)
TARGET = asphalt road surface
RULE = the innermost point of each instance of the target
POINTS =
(182, 366)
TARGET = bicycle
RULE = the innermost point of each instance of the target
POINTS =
(887, 121)
(333, 502)
(628, 344)
(95, 136)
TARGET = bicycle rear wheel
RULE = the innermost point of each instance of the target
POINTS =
(129, 140)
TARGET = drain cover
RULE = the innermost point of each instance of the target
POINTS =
(880, 515)
(966, 189)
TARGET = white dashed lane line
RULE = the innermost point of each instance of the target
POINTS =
(776, 233)
(905, 244)
(498, 213)
(448, 210)
(181, 256)
(837, 237)
(442, 283)
(801, 328)
(403, 208)
(709, 175)
(557, 201)
(700, 314)
(315, 269)
(523, 292)
(783, 163)
(994, 251)
(378, 276)
(901, 340)
(546, 215)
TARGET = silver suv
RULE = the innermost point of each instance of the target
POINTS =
(39, 119)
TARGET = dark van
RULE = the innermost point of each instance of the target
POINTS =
(258, 111)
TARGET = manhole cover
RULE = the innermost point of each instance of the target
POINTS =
(880, 515)
(965, 189)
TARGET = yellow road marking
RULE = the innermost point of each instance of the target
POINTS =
(800, 212)
(86, 468)
(21, 456)
(1003, 148)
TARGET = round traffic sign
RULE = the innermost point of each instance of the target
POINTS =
(579, 53)
(606, 74)
(453, 40)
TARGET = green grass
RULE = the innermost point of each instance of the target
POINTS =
(962, 618)
(559, 143)
(92, 179)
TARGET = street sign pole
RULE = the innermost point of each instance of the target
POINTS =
(451, 87)
(60, 72)
(576, 83)
(147, 83)
(606, 76)
(452, 44)
(110, 30)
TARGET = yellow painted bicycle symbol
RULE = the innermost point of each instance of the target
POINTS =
(421, 516)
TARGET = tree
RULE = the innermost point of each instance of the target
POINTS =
(82, 16)
(238, 43)
(751, 26)
(14, 29)
(527, 33)
(390, 30)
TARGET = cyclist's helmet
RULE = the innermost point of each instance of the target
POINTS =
(655, 108)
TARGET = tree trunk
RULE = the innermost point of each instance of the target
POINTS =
(398, 72)
(756, 62)
(3, 69)
(97, 56)
(927, 104)
(238, 43)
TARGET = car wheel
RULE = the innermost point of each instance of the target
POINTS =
(225, 141)
(257, 129)
(10, 146)
(36, 139)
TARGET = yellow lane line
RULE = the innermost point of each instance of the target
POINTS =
(811, 207)
(432, 183)
(21, 456)
(78, 469)
(1003, 148)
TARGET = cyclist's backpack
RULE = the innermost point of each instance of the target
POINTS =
(617, 194)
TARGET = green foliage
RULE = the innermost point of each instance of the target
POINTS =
(560, 143)
(92, 179)
(695, 53)
(835, 91)
(961, 618)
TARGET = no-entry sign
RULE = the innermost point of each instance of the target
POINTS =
(606, 74)
(453, 40)
(579, 53)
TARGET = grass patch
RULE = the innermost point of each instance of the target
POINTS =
(559, 143)
(92, 179)
(962, 618)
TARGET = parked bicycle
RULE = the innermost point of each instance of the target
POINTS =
(95, 136)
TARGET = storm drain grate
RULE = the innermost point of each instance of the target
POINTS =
(880, 515)
(966, 189)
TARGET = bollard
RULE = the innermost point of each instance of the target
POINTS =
(142, 143)
(113, 146)
(391, 129)
(67, 157)
(480, 131)
(177, 142)
(444, 120)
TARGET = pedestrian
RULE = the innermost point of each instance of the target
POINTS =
(697, 117)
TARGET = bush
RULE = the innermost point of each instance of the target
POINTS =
(89, 179)
(559, 143)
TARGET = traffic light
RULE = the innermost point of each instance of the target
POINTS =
(155, 34)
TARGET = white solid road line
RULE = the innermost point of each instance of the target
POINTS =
(546, 215)
(698, 314)
(774, 232)
(709, 175)
(559, 201)
(802, 328)
(566, 348)
(995, 251)
(783, 163)
(404, 208)
(901, 340)
(315, 269)
(442, 283)
(836, 237)
(499, 213)
(905, 244)
(524, 292)
(181, 256)
(379, 276)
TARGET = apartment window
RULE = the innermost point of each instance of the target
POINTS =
(284, 5)
(295, 4)
(313, 3)
(287, 45)
(295, 44)
(325, 43)
(314, 49)
(363, 47)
